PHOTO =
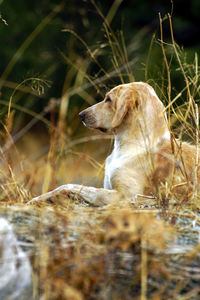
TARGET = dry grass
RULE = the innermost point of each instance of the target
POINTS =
(149, 251)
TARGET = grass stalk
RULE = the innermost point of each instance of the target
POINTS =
(190, 98)
(143, 269)
(197, 152)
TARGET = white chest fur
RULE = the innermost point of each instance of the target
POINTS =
(113, 163)
(117, 160)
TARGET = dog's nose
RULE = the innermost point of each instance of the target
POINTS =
(82, 115)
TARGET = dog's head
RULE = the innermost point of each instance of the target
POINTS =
(109, 113)
(137, 100)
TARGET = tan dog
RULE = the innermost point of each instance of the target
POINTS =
(142, 158)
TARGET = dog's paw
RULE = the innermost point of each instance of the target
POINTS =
(63, 192)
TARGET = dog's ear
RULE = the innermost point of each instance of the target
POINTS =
(123, 103)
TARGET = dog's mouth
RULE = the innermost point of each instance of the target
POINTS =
(102, 129)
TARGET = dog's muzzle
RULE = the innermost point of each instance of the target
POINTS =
(87, 119)
(82, 115)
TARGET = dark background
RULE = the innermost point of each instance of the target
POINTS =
(45, 56)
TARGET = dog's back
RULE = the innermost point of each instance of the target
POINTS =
(174, 172)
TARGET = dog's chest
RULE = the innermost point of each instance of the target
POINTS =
(114, 163)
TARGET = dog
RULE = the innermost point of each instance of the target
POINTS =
(145, 155)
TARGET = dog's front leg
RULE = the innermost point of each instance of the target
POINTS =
(91, 195)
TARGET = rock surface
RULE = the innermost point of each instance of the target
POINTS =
(15, 269)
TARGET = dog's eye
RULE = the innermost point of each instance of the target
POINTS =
(136, 104)
(108, 99)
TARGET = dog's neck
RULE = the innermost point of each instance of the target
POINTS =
(143, 136)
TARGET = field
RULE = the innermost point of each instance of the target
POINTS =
(146, 250)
